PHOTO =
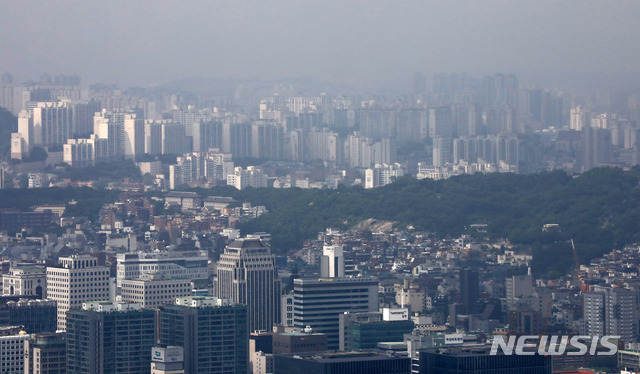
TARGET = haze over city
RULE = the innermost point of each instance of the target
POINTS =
(154, 42)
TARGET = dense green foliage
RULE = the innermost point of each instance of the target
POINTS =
(8, 124)
(598, 209)
(89, 201)
(115, 171)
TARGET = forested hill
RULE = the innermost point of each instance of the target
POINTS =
(600, 209)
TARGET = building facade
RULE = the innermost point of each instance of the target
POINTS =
(77, 279)
(248, 275)
(212, 332)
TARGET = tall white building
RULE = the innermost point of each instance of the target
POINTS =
(579, 118)
(332, 261)
(75, 280)
(134, 138)
(248, 275)
(52, 123)
(251, 177)
(381, 175)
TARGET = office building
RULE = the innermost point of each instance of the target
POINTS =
(342, 363)
(213, 333)
(248, 275)
(25, 281)
(610, 311)
(37, 316)
(106, 337)
(359, 331)
(45, 354)
(153, 290)
(192, 265)
(468, 289)
(332, 262)
(299, 342)
(12, 343)
(77, 279)
(167, 360)
(319, 302)
(478, 360)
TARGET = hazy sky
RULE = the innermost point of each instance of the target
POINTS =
(148, 42)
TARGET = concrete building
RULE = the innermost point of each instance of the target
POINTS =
(319, 302)
(77, 279)
(134, 137)
(25, 281)
(342, 362)
(12, 344)
(251, 177)
(167, 360)
(45, 354)
(154, 290)
(191, 265)
(478, 360)
(213, 333)
(299, 342)
(332, 262)
(36, 316)
(106, 337)
(248, 275)
(359, 331)
(610, 311)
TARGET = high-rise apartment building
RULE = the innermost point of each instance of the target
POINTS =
(77, 279)
(104, 337)
(318, 302)
(134, 138)
(610, 311)
(52, 123)
(248, 275)
(213, 333)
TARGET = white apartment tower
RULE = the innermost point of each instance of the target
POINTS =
(247, 274)
(77, 279)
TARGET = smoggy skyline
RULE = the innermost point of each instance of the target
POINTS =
(153, 42)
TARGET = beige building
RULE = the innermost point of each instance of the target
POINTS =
(77, 279)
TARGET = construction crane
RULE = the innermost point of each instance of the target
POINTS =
(546, 320)
(584, 285)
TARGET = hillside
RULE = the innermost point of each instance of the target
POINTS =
(599, 209)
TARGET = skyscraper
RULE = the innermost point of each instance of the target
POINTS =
(318, 303)
(468, 288)
(247, 274)
(77, 279)
(212, 332)
(104, 337)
